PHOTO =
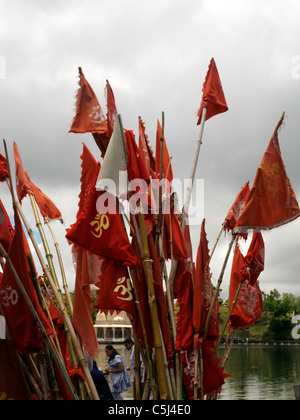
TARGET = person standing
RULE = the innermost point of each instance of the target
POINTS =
(119, 380)
(101, 383)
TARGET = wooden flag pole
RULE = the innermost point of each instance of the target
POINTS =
(228, 317)
(161, 374)
(40, 325)
(63, 310)
(159, 219)
(186, 206)
(62, 269)
(216, 243)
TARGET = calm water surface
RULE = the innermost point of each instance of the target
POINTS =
(262, 373)
(257, 372)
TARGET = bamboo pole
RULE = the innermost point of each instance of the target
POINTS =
(216, 243)
(63, 310)
(48, 253)
(62, 269)
(39, 323)
(159, 219)
(228, 317)
(187, 201)
(162, 380)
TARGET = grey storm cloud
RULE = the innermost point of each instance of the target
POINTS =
(155, 56)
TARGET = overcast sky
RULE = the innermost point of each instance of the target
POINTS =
(155, 55)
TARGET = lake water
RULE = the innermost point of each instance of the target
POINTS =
(262, 373)
(257, 372)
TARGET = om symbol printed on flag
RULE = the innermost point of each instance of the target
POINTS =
(101, 222)
(115, 290)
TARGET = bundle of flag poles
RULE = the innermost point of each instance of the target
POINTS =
(139, 256)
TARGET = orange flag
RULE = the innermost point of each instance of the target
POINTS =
(46, 206)
(6, 229)
(255, 259)
(271, 201)
(88, 270)
(22, 325)
(145, 148)
(213, 96)
(249, 305)
(203, 294)
(89, 170)
(89, 116)
(236, 208)
(167, 167)
(3, 168)
(22, 184)
(111, 108)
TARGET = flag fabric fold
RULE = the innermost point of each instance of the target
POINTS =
(167, 167)
(22, 326)
(236, 208)
(102, 234)
(6, 229)
(22, 184)
(213, 97)
(88, 270)
(271, 202)
(3, 169)
(111, 108)
(89, 117)
(249, 304)
(47, 207)
(115, 290)
(203, 294)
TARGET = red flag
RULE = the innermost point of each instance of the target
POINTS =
(22, 326)
(213, 96)
(271, 201)
(178, 241)
(135, 167)
(89, 117)
(6, 229)
(167, 167)
(184, 336)
(22, 184)
(255, 259)
(89, 170)
(88, 270)
(46, 206)
(203, 294)
(13, 384)
(249, 305)
(102, 234)
(145, 148)
(3, 169)
(236, 208)
(111, 108)
(115, 290)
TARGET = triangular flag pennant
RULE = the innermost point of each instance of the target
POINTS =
(22, 184)
(271, 201)
(46, 206)
(213, 96)
(89, 117)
